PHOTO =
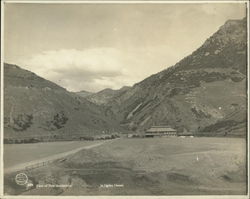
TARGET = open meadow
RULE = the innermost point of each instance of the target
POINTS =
(22, 153)
(144, 166)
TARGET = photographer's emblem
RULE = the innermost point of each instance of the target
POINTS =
(21, 179)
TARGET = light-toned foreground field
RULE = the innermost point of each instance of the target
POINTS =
(22, 153)
(22, 156)
(149, 166)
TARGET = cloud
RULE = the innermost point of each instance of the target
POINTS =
(105, 61)
(95, 69)
(73, 69)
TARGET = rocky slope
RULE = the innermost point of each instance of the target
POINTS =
(35, 106)
(204, 93)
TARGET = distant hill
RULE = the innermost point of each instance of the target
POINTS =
(204, 93)
(36, 106)
(84, 93)
(103, 97)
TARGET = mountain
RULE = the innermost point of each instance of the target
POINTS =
(204, 93)
(84, 93)
(34, 106)
(103, 97)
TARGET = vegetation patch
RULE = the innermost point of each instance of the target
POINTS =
(59, 120)
(199, 114)
(227, 124)
(22, 122)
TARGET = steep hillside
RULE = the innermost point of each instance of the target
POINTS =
(103, 97)
(35, 106)
(204, 93)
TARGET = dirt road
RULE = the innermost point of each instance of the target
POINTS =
(48, 159)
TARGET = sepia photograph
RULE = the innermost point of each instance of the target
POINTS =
(124, 98)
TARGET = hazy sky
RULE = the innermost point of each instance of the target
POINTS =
(95, 46)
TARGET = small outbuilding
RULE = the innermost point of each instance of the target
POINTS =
(186, 134)
(159, 131)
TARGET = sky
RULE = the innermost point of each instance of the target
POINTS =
(96, 46)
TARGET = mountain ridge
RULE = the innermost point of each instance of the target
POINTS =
(35, 106)
(104, 96)
(218, 63)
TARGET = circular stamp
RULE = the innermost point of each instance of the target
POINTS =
(21, 179)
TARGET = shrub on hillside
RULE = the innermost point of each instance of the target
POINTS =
(22, 122)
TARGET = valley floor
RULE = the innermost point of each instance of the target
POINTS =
(144, 166)
(31, 156)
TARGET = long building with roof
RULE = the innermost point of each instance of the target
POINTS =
(159, 131)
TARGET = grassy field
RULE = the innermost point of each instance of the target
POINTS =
(153, 166)
(20, 153)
